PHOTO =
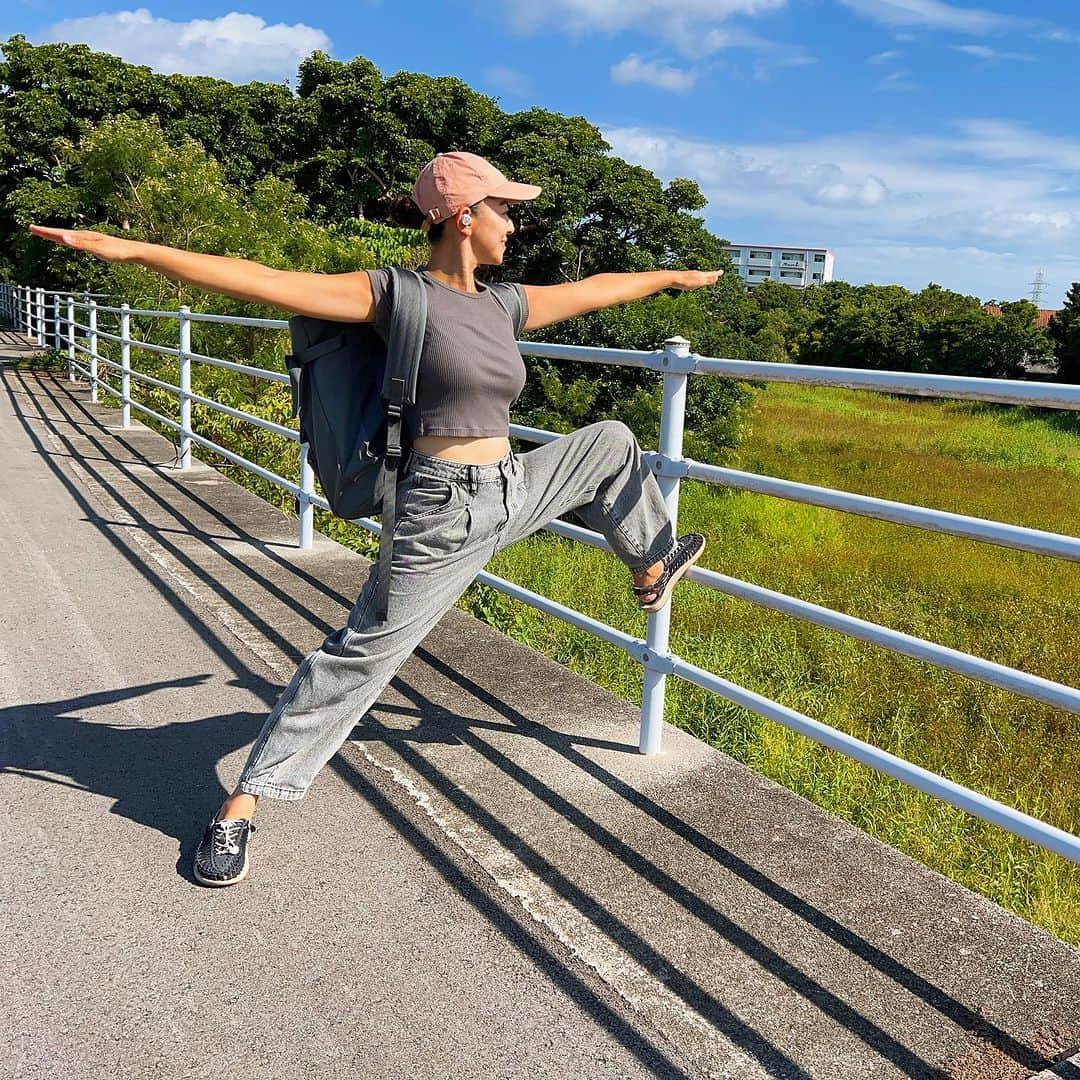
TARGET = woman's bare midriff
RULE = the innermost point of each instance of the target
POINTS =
(464, 449)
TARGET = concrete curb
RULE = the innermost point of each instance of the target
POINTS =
(1063, 1070)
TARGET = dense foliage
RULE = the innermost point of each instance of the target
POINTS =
(890, 327)
(1064, 331)
(311, 182)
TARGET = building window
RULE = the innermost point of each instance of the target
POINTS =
(759, 273)
(735, 253)
(819, 258)
(797, 274)
(761, 255)
(817, 277)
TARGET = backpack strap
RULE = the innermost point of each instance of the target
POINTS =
(508, 296)
(406, 339)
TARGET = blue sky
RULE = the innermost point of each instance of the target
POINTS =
(918, 139)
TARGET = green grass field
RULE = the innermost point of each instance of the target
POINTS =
(1009, 464)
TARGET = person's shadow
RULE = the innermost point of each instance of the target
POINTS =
(162, 777)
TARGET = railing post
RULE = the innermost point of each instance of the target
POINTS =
(71, 336)
(41, 317)
(93, 351)
(185, 388)
(307, 489)
(672, 417)
(125, 364)
(27, 322)
(56, 321)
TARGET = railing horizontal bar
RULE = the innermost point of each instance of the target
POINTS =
(140, 376)
(156, 415)
(258, 470)
(112, 337)
(1006, 678)
(239, 320)
(1026, 685)
(630, 644)
(258, 421)
(921, 517)
(131, 311)
(592, 355)
(1013, 821)
(69, 292)
(247, 369)
(164, 350)
(1006, 391)
(100, 382)
(531, 434)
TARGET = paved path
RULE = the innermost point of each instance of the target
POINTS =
(488, 880)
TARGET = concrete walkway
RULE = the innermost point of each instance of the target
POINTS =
(488, 881)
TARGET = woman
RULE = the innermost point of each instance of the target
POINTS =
(464, 494)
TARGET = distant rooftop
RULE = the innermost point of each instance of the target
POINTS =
(778, 247)
(1044, 316)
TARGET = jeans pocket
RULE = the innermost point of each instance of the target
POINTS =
(429, 495)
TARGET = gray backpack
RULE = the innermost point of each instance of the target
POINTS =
(350, 390)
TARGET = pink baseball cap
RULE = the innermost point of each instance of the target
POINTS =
(450, 181)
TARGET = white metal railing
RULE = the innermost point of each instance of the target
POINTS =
(676, 363)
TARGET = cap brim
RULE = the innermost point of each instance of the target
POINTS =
(513, 190)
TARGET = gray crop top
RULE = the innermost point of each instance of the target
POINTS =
(470, 369)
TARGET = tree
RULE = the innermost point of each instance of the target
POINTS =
(1064, 331)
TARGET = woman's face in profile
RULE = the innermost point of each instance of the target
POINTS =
(492, 229)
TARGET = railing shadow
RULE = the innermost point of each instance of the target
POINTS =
(466, 731)
(134, 766)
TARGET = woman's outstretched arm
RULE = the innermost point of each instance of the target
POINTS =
(341, 297)
(553, 303)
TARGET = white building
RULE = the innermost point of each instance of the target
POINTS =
(792, 266)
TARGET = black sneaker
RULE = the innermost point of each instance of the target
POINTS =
(222, 857)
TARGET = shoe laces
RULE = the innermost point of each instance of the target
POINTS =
(226, 835)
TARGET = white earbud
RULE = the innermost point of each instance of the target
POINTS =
(466, 219)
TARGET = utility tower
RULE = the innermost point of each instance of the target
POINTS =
(1037, 287)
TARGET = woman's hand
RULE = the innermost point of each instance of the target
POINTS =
(109, 248)
(695, 279)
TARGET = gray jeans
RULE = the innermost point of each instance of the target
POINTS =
(452, 519)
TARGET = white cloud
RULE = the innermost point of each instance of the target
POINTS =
(896, 81)
(696, 28)
(977, 211)
(585, 15)
(885, 57)
(934, 15)
(506, 80)
(633, 69)
(1061, 36)
(236, 46)
(984, 52)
